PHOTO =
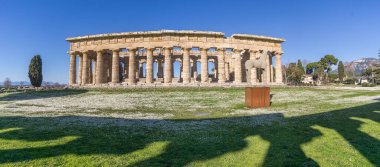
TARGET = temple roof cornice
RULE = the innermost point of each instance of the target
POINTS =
(143, 33)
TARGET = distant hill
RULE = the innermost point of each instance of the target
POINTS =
(359, 65)
(26, 83)
(17, 83)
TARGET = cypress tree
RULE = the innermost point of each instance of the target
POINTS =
(340, 71)
(300, 66)
(35, 71)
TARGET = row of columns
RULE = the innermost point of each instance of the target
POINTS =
(84, 74)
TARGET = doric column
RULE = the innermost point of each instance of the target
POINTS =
(109, 68)
(194, 68)
(159, 68)
(94, 73)
(132, 66)
(73, 71)
(227, 72)
(168, 66)
(105, 68)
(172, 67)
(267, 65)
(137, 69)
(238, 75)
(149, 65)
(180, 71)
(221, 69)
(99, 67)
(85, 64)
(186, 65)
(204, 65)
(126, 66)
(141, 70)
(90, 74)
(115, 66)
(278, 68)
(216, 69)
(80, 64)
(271, 68)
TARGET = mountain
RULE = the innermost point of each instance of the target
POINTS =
(17, 83)
(358, 66)
(26, 83)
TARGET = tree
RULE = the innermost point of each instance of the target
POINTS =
(300, 66)
(377, 74)
(319, 73)
(326, 62)
(35, 71)
(294, 74)
(7, 83)
(341, 71)
(314, 69)
(368, 73)
(372, 74)
(333, 77)
(311, 67)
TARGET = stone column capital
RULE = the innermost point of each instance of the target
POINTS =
(221, 49)
(186, 48)
(99, 51)
(85, 53)
(237, 50)
(253, 51)
(168, 48)
(150, 49)
(279, 53)
(116, 50)
(72, 52)
(203, 49)
(131, 49)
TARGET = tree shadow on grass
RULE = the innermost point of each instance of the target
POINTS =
(189, 140)
(30, 95)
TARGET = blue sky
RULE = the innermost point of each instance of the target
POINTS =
(346, 28)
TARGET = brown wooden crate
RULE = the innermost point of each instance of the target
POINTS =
(257, 97)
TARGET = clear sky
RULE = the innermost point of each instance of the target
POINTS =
(346, 28)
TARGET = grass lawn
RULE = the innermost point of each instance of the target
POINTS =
(189, 127)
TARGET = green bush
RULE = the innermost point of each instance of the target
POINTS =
(368, 85)
(349, 81)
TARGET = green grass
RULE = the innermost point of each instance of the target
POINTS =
(303, 127)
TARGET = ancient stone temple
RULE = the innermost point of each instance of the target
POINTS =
(149, 58)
